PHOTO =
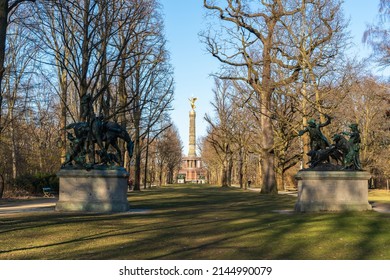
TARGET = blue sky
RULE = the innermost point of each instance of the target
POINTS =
(184, 19)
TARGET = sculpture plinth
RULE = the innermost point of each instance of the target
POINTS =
(93, 190)
(335, 180)
(332, 191)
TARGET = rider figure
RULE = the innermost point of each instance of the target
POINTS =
(317, 140)
(86, 108)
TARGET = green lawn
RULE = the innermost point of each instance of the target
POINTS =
(199, 222)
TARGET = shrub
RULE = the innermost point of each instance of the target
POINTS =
(32, 184)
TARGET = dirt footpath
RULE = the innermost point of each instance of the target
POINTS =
(40, 204)
(10, 206)
(380, 207)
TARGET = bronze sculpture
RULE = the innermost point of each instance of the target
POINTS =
(317, 140)
(352, 158)
(95, 130)
(345, 152)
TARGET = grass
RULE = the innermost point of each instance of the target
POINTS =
(382, 196)
(199, 222)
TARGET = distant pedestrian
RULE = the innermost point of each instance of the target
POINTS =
(130, 184)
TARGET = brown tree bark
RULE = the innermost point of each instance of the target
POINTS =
(2, 185)
(3, 35)
(137, 152)
(5, 9)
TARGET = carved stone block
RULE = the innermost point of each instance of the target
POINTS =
(93, 190)
(332, 191)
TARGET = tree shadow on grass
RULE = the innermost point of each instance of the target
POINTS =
(197, 223)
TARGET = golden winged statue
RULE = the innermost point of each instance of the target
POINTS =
(192, 101)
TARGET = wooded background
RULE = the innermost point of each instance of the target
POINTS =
(283, 62)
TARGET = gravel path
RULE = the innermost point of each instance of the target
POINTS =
(12, 206)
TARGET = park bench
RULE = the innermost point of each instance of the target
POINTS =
(290, 188)
(48, 191)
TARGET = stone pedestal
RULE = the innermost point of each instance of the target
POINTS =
(93, 191)
(332, 191)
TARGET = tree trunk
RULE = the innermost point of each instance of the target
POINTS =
(3, 33)
(268, 183)
(241, 170)
(2, 185)
(305, 137)
(13, 144)
(85, 57)
(280, 179)
(230, 171)
(160, 175)
(171, 173)
(64, 100)
(3, 36)
(122, 107)
(245, 171)
(224, 172)
(146, 160)
(137, 122)
(137, 163)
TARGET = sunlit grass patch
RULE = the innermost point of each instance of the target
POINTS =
(199, 222)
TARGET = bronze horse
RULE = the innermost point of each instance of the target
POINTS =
(336, 151)
(103, 134)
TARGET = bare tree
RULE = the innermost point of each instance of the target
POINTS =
(261, 43)
(18, 75)
(251, 47)
(17, 84)
(377, 35)
(149, 84)
(220, 129)
(86, 42)
(287, 148)
(244, 136)
(231, 133)
(210, 160)
(7, 8)
(367, 104)
(169, 151)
